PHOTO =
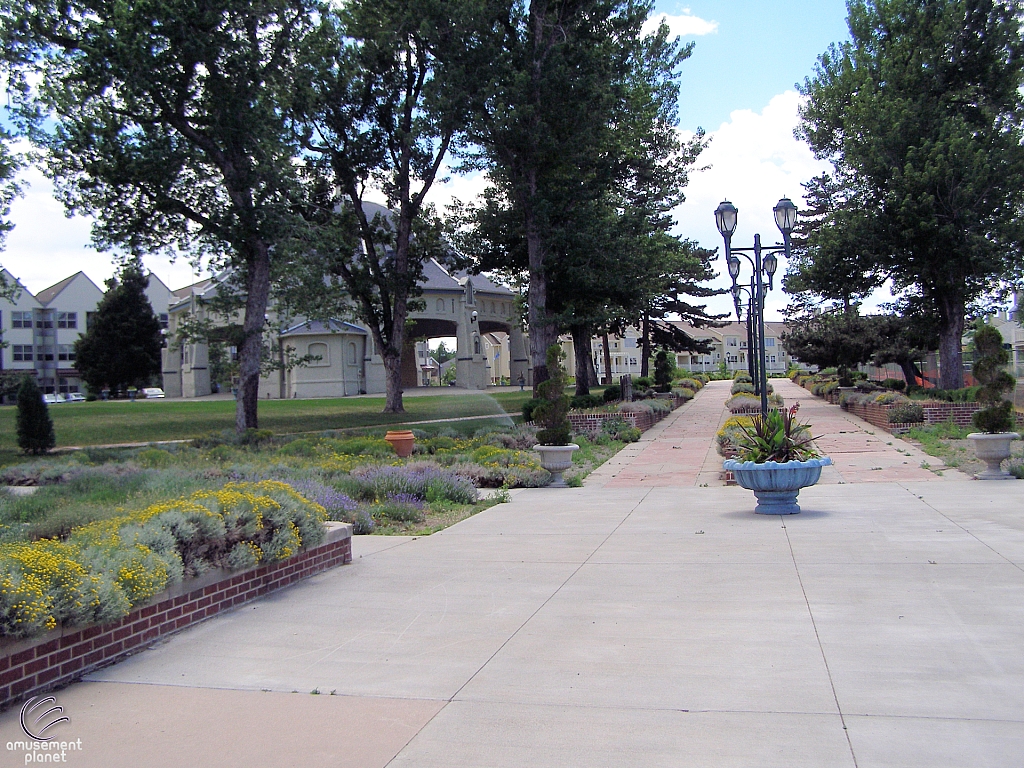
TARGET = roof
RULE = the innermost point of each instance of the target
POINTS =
(317, 327)
(47, 295)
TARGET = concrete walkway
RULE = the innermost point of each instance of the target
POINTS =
(613, 625)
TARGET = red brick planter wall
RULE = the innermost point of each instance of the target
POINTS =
(934, 413)
(59, 657)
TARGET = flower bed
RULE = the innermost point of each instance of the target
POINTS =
(34, 665)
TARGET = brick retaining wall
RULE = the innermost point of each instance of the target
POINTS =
(934, 413)
(38, 664)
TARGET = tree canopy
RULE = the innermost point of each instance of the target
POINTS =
(920, 114)
(167, 122)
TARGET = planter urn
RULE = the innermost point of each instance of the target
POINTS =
(556, 459)
(402, 441)
(776, 485)
(993, 449)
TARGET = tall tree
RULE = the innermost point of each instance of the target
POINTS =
(558, 74)
(121, 347)
(34, 425)
(166, 121)
(920, 114)
(384, 108)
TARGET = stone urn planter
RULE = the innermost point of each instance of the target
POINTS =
(776, 484)
(993, 449)
(402, 441)
(556, 459)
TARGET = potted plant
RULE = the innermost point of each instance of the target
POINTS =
(996, 420)
(552, 416)
(775, 460)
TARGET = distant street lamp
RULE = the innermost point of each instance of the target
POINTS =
(726, 219)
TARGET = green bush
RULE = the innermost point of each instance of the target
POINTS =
(642, 382)
(906, 413)
(529, 406)
(553, 412)
(897, 384)
(742, 386)
(612, 393)
(34, 425)
(989, 369)
(741, 375)
(154, 458)
(582, 402)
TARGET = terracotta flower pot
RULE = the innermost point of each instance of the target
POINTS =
(402, 441)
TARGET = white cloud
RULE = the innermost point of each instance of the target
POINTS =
(755, 160)
(684, 25)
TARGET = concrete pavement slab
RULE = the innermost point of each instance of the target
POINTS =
(169, 727)
(512, 736)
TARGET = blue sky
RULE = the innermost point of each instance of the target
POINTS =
(738, 85)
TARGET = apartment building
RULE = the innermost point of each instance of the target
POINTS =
(41, 330)
(728, 345)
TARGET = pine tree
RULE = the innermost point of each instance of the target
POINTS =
(35, 427)
(122, 345)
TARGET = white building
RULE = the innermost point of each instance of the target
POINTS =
(41, 330)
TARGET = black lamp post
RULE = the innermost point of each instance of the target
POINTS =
(726, 218)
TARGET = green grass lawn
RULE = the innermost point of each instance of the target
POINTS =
(103, 423)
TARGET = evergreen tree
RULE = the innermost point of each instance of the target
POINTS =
(122, 345)
(35, 427)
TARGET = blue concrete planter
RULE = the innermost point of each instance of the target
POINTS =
(776, 485)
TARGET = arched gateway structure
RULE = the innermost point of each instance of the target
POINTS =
(478, 313)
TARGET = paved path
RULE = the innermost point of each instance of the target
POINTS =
(680, 450)
(611, 626)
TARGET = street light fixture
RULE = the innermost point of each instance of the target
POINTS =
(726, 219)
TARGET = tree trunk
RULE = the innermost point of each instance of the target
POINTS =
(645, 351)
(257, 289)
(591, 370)
(543, 330)
(581, 351)
(393, 383)
(910, 371)
(951, 332)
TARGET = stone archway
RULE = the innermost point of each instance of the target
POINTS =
(422, 328)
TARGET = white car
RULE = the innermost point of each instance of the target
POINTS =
(74, 397)
(150, 392)
(51, 399)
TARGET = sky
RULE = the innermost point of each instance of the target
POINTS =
(739, 86)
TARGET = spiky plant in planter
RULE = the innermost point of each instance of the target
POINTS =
(552, 416)
(996, 419)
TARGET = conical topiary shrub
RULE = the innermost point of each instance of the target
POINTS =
(663, 370)
(35, 428)
(552, 414)
(989, 370)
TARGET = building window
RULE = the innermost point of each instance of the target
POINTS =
(769, 342)
(320, 350)
(440, 305)
(21, 319)
(44, 354)
(164, 319)
(470, 300)
(67, 320)
(632, 361)
(352, 353)
(732, 341)
(46, 385)
(22, 353)
(476, 345)
(772, 360)
(44, 321)
(89, 318)
(66, 352)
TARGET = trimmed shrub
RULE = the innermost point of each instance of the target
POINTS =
(742, 386)
(906, 413)
(34, 425)
(897, 384)
(582, 402)
(689, 383)
(642, 382)
(612, 393)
